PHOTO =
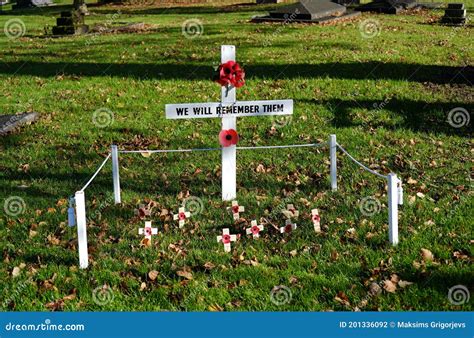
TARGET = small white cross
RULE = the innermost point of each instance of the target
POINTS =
(226, 238)
(182, 215)
(254, 229)
(236, 209)
(289, 227)
(142, 211)
(291, 211)
(148, 231)
(316, 220)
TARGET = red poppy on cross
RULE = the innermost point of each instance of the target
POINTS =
(143, 211)
(236, 209)
(254, 229)
(289, 227)
(226, 239)
(148, 231)
(291, 211)
(316, 220)
(181, 216)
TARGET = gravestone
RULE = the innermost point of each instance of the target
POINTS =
(311, 11)
(5, 6)
(8, 123)
(455, 14)
(347, 2)
(32, 3)
(70, 22)
(387, 6)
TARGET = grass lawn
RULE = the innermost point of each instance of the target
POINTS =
(387, 98)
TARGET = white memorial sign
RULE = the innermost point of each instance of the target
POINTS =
(228, 110)
(240, 108)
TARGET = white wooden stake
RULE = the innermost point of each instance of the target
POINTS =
(333, 159)
(82, 229)
(393, 200)
(116, 174)
(229, 154)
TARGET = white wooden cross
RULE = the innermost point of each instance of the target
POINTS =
(254, 229)
(226, 239)
(236, 209)
(228, 110)
(291, 211)
(289, 227)
(142, 211)
(148, 231)
(316, 220)
(181, 216)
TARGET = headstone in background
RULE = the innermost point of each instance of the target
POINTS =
(70, 23)
(33, 3)
(315, 11)
(9, 123)
(455, 14)
(260, 2)
(387, 6)
(5, 6)
(347, 2)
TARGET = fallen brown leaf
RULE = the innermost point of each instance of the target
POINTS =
(153, 275)
(426, 255)
(185, 274)
(389, 286)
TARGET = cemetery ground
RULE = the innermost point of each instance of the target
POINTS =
(388, 98)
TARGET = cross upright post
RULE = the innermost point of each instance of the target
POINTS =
(229, 154)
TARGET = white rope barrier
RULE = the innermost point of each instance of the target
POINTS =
(166, 151)
(395, 190)
(96, 173)
(316, 145)
(360, 164)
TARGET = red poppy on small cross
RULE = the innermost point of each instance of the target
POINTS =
(254, 229)
(148, 231)
(291, 211)
(316, 220)
(289, 227)
(236, 209)
(226, 239)
(181, 217)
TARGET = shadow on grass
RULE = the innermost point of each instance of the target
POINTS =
(418, 116)
(372, 70)
(146, 10)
